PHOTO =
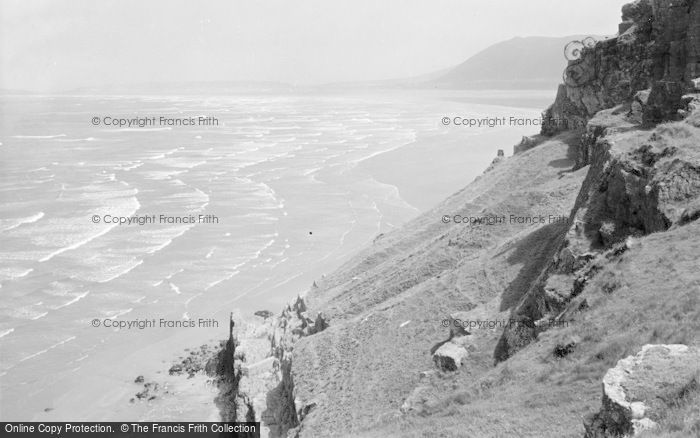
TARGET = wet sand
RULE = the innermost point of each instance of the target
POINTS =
(434, 167)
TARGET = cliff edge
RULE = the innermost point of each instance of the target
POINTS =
(500, 311)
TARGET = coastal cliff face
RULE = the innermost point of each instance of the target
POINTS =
(581, 249)
(639, 181)
(254, 370)
(653, 62)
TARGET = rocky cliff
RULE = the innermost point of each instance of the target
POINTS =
(653, 62)
(500, 311)
(638, 181)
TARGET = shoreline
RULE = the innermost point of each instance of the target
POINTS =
(422, 180)
(414, 158)
(398, 168)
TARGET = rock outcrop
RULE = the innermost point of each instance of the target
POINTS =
(254, 370)
(284, 411)
(639, 388)
(639, 182)
(657, 49)
(449, 356)
(500, 157)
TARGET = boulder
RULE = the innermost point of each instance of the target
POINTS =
(638, 390)
(449, 356)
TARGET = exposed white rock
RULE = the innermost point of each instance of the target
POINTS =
(634, 390)
(449, 356)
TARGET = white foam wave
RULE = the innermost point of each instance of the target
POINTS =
(134, 207)
(76, 140)
(14, 273)
(41, 315)
(77, 298)
(26, 220)
(128, 267)
(174, 288)
(221, 280)
(117, 313)
(58, 344)
(39, 136)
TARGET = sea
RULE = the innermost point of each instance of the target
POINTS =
(107, 226)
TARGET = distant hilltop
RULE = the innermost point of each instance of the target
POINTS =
(518, 63)
(523, 63)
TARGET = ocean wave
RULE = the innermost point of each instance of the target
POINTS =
(189, 300)
(135, 205)
(39, 136)
(221, 280)
(174, 273)
(27, 312)
(161, 238)
(167, 153)
(75, 245)
(281, 283)
(75, 140)
(76, 298)
(10, 274)
(174, 288)
(6, 332)
(38, 353)
(22, 221)
(135, 166)
(38, 316)
(124, 269)
(311, 171)
(160, 175)
(114, 314)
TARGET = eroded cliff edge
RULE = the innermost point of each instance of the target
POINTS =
(508, 328)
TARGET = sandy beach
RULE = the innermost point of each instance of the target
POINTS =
(436, 166)
(296, 198)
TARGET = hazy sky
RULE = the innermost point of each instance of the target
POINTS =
(63, 44)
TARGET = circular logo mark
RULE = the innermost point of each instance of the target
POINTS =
(573, 50)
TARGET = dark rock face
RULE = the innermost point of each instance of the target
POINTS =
(663, 103)
(638, 183)
(285, 409)
(645, 76)
(658, 48)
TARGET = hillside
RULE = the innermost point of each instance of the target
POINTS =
(518, 63)
(380, 347)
